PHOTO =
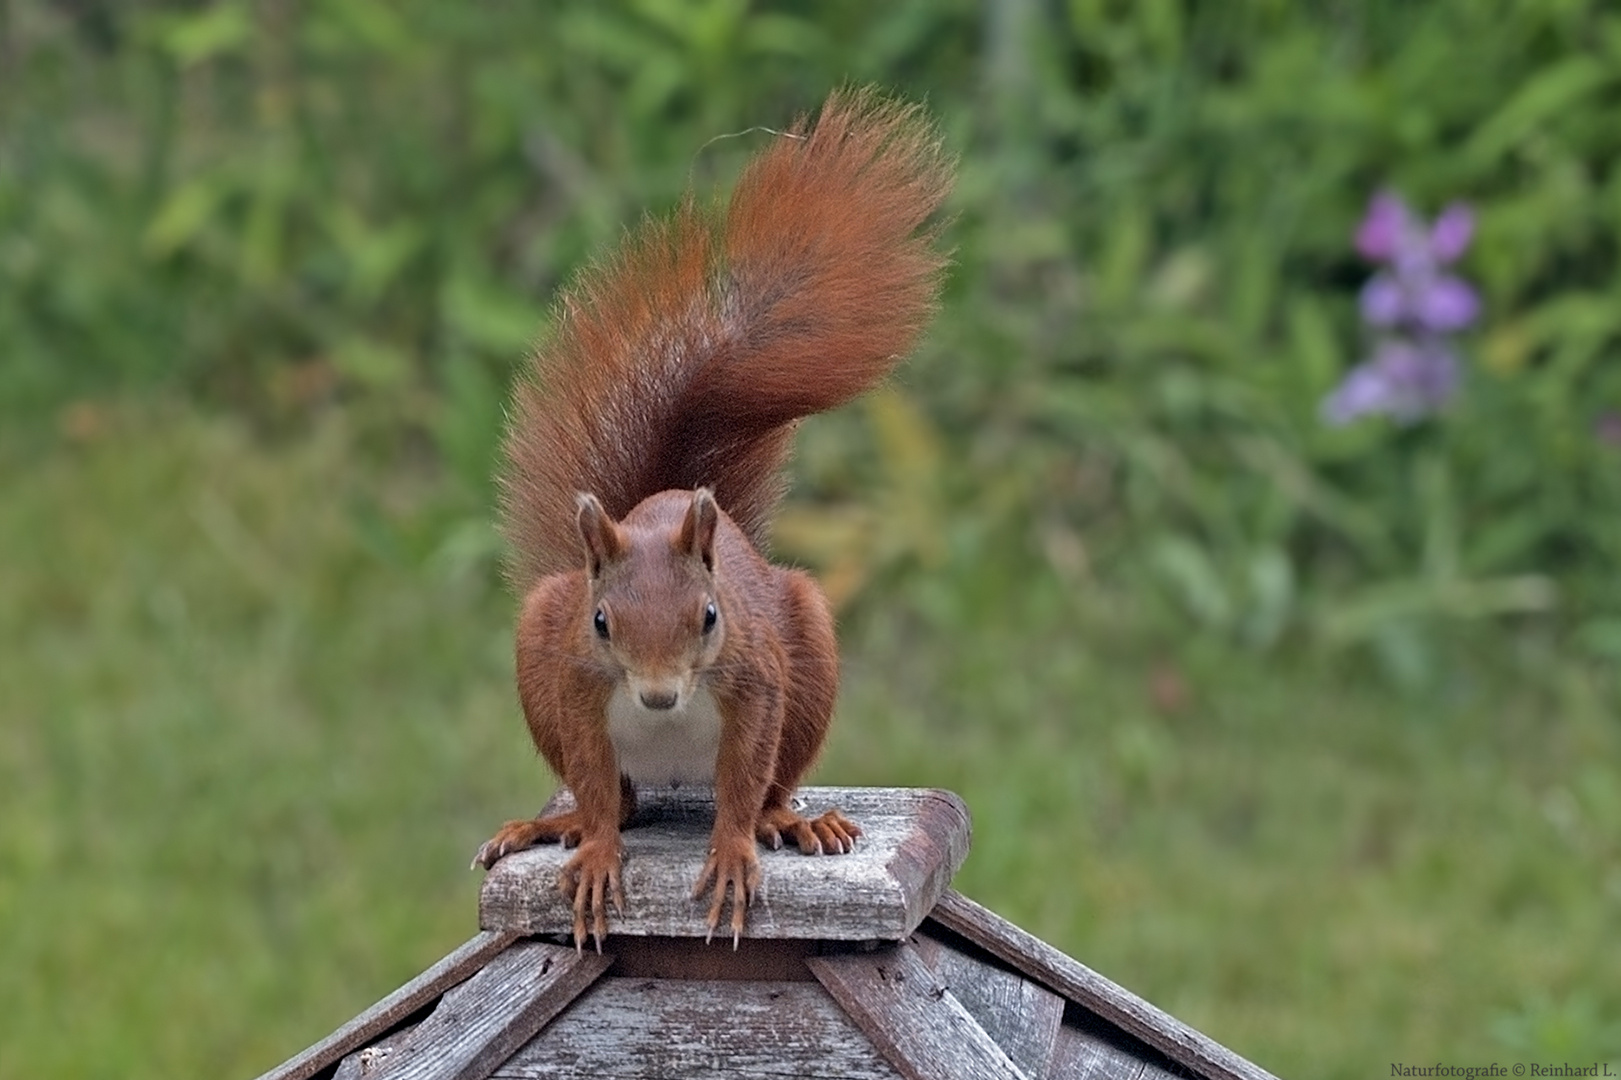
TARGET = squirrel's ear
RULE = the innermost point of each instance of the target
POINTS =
(603, 544)
(697, 536)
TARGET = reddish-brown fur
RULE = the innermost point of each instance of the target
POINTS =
(679, 367)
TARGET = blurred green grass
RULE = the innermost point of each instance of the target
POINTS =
(258, 714)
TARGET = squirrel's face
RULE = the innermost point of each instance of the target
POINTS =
(655, 613)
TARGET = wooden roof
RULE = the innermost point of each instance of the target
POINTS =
(864, 965)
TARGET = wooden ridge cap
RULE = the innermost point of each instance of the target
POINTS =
(913, 841)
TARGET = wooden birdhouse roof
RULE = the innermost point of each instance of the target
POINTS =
(863, 965)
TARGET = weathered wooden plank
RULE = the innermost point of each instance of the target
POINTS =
(1023, 1017)
(1154, 1072)
(367, 1062)
(930, 854)
(1201, 1055)
(479, 1024)
(653, 1029)
(911, 1017)
(913, 841)
(410, 998)
(1079, 1054)
(1039, 1030)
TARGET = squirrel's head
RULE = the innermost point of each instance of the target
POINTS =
(655, 611)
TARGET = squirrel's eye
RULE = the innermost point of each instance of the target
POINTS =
(711, 616)
(601, 623)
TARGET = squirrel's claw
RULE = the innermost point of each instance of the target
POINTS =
(589, 882)
(835, 834)
(567, 829)
(489, 853)
(732, 869)
(830, 834)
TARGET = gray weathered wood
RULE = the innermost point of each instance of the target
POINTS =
(1197, 1052)
(913, 841)
(1154, 1072)
(367, 1062)
(396, 1007)
(911, 1017)
(480, 1023)
(653, 1029)
(1081, 1055)
(1022, 1016)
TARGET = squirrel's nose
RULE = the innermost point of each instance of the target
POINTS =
(659, 699)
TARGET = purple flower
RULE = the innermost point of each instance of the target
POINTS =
(1379, 236)
(1608, 428)
(1426, 300)
(1446, 303)
(1404, 380)
(1414, 290)
(1383, 303)
(1452, 231)
(1390, 233)
(1414, 303)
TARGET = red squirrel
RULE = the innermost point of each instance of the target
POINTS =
(655, 644)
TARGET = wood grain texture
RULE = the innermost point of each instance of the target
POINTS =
(930, 852)
(1154, 1072)
(653, 1029)
(913, 841)
(480, 1023)
(414, 996)
(913, 1019)
(1198, 1053)
(1079, 1054)
(367, 1062)
(1023, 1017)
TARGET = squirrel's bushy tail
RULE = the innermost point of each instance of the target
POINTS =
(684, 359)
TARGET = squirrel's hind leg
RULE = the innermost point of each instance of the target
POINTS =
(567, 828)
(813, 685)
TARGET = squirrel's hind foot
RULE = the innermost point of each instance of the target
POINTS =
(830, 834)
(566, 829)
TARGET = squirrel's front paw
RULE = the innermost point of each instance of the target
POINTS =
(589, 881)
(732, 863)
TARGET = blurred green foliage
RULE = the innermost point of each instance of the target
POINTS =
(277, 206)
(1196, 173)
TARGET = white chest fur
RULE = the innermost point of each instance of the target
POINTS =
(657, 747)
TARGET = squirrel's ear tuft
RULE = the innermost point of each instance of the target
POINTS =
(697, 536)
(603, 543)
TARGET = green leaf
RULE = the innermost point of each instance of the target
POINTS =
(1125, 255)
(371, 362)
(214, 31)
(1382, 606)
(183, 215)
(488, 314)
(1195, 580)
(1551, 92)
